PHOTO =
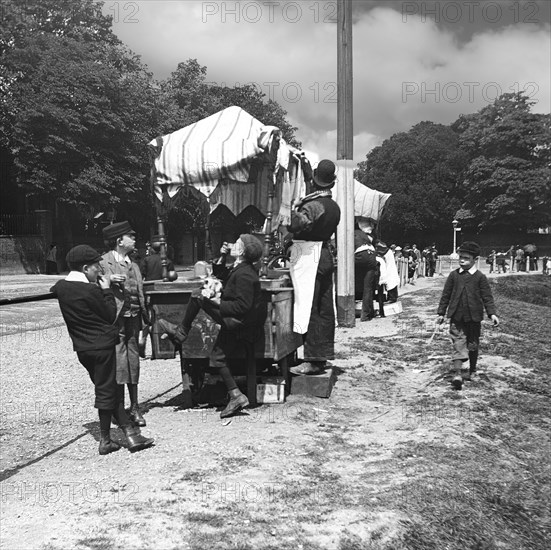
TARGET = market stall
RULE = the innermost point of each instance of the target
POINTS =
(235, 161)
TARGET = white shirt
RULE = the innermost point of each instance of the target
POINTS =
(77, 277)
(472, 270)
(120, 258)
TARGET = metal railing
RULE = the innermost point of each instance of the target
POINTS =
(19, 224)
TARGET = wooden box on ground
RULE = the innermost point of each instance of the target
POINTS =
(390, 308)
(270, 390)
(393, 309)
(318, 385)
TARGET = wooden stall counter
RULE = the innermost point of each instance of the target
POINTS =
(275, 342)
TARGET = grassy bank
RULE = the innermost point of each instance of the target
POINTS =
(487, 484)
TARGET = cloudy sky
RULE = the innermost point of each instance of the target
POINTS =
(413, 60)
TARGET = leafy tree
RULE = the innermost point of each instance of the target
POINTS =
(507, 180)
(77, 111)
(421, 169)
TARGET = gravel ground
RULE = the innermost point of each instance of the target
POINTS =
(57, 492)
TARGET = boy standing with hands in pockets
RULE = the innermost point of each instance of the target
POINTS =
(465, 296)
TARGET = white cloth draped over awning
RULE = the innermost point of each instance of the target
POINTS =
(219, 147)
(368, 203)
(228, 158)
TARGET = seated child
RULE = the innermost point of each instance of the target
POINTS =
(236, 311)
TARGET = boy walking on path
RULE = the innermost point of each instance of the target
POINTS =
(89, 310)
(465, 296)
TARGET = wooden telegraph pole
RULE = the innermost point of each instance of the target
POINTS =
(345, 154)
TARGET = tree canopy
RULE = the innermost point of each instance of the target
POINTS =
(78, 108)
(488, 169)
(507, 179)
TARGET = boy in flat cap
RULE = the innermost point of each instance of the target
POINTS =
(89, 310)
(465, 296)
(126, 282)
(236, 311)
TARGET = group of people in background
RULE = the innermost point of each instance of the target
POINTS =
(420, 263)
(375, 270)
(516, 258)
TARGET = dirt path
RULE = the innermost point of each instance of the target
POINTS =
(309, 474)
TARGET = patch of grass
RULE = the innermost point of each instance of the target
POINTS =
(206, 518)
(493, 489)
(96, 543)
(533, 289)
(474, 497)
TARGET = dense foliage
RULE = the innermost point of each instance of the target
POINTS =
(78, 108)
(487, 169)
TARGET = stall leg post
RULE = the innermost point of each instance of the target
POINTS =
(251, 374)
(162, 239)
(186, 383)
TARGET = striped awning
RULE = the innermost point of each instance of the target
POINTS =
(219, 147)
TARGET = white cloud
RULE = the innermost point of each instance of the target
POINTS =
(396, 65)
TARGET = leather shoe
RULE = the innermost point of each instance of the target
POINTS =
(307, 368)
(166, 327)
(176, 333)
(237, 402)
(136, 417)
(107, 446)
(457, 382)
(136, 441)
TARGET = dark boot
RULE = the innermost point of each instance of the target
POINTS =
(237, 402)
(177, 334)
(473, 359)
(457, 381)
(107, 446)
(136, 416)
(136, 441)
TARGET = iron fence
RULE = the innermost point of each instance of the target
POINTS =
(19, 224)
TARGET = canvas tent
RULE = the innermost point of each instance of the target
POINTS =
(233, 159)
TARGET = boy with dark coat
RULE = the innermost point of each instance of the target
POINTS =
(89, 310)
(465, 296)
(236, 311)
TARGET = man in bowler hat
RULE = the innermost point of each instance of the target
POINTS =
(315, 218)
(126, 282)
